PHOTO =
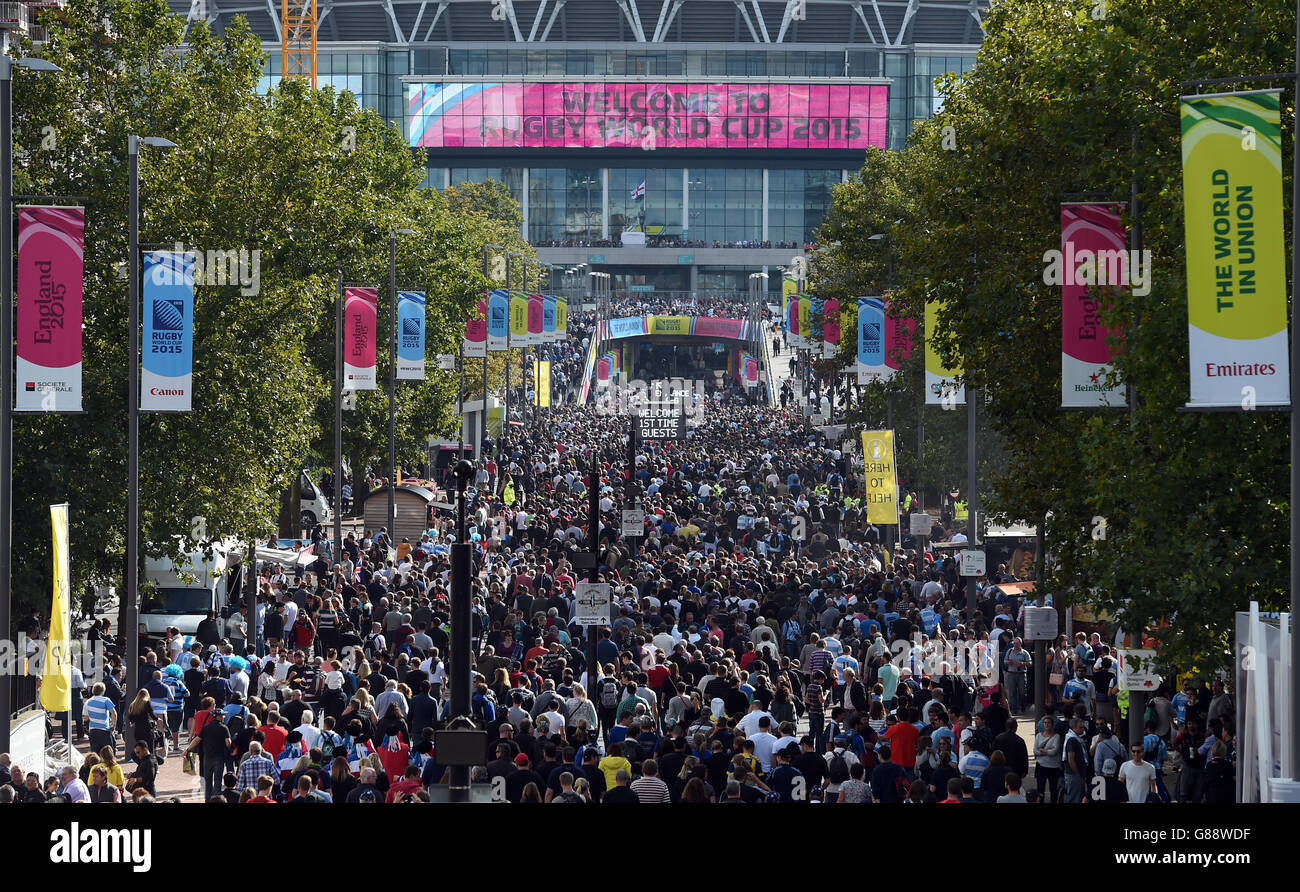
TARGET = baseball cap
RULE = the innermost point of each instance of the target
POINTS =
(521, 759)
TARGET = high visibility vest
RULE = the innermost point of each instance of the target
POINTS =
(960, 510)
(1121, 703)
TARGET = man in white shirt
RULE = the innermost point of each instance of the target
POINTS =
(764, 742)
(1139, 776)
(310, 733)
(753, 719)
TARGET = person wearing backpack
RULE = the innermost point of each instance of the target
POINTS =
(609, 698)
(839, 763)
(1155, 751)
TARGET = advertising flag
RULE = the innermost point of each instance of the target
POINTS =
(603, 369)
(410, 335)
(475, 343)
(51, 244)
(167, 370)
(498, 320)
(805, 320)
(940, 382)
(543, 379)
(536, 324)
(831, 328)
(790, 305)
(549, 334)
(518, 319)
(1236, 266)
(881, 479)
(56, 682)
(871, 339)
(899, 335)
(561, 317)
(1092, 235)
(359, 331)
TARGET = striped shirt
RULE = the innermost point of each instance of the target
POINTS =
(650, 789)
(98, 709)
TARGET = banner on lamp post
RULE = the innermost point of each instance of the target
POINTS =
(359, 329)
(51, 247)
(561, 318)
(1236, 266)
(410, 335)
(1092, 241)
(943, 386)
(831, 328)
(881, 477)
(518, 319)
(899, 336)
(549, 333)
(474, 345)
(536, 324)
(871, 339)
(498, 320)
(167, 369)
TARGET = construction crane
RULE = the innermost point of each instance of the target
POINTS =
(298, 40)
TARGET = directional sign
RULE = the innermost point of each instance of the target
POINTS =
(1137, 670)
(972, 563)
(1040, 623)
(447, 362)
(593, 603)
(920, 524)
(633, 522)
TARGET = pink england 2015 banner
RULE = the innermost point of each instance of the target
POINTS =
(360, 312)
(1088, 232)
(644, 115)
(51, 247)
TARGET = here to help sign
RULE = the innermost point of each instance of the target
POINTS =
(972, 563)
(593, 603)
(1137, 670)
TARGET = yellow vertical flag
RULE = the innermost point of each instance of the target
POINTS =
(56, 683)
(881, 479)
(544, 384)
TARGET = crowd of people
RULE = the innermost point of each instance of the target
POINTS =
(766, 643)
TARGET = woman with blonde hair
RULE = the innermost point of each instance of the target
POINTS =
(582, 787)
(141, 715)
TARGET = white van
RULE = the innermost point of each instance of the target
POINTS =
(313, 507)
(181, 594)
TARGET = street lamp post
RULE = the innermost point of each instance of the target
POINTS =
(487, 273)
(7, 64)
(392, 383)
(132, 572)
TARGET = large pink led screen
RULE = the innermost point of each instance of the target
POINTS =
(620, 115)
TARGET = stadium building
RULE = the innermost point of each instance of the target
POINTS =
(678, 147)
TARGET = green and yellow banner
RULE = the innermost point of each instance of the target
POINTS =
(943, 386)
(881, 477)
(518, 319)
(1236, 261)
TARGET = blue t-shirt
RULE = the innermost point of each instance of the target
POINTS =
(1180, 702)
(940, 733)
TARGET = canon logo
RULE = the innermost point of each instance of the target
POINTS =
(159, 391)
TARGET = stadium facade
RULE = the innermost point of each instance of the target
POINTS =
(679, 146)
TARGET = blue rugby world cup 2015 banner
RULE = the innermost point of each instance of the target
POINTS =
(410, 335)
(167, 373)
